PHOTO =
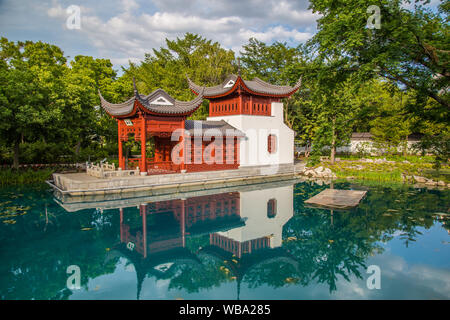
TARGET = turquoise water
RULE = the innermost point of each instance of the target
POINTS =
(258, 242)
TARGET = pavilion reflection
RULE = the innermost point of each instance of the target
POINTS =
(165, 225)
(236, 231)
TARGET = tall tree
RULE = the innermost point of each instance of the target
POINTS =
(31, 92)
(383, 112)
(410, 48)
(204, 61)
(83, 79)
(334, 108)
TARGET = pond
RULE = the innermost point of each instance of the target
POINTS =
(256, 242)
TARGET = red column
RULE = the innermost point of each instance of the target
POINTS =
(240, 106)
(183, 152)
(183, 222)
(121, 162)
(143, 167)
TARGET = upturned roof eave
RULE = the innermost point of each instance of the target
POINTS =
(194, 88)
(141, 105)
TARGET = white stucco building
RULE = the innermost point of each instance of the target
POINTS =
(255, 109)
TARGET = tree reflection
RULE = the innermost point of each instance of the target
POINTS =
(319, 246)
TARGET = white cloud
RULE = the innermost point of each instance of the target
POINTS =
(134, 28)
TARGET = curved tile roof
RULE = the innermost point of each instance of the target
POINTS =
(118, 109)
(256, 85)
(224, 127)
(157, 102)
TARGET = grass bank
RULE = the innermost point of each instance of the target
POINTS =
(387, 170)
(24, 176)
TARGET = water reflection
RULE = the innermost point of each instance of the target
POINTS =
(237, 231)
(260, 241)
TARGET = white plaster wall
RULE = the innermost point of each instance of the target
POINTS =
(368, 146)
(253, 148)
(253, 206)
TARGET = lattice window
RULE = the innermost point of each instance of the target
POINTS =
(272, 143)
(271, 208)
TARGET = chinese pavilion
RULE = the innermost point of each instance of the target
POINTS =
(255, 108)
(236, 108)
(236, 96)
(159, 116)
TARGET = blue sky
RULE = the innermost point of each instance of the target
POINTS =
(123, 30)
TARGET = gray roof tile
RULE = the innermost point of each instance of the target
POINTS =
(256, 85)
(158, 101)
(209, 128)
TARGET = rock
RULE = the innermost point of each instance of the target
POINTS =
(420, 179)
(309, 172)
(441, 183)
(406, 161)
(319, 169)
(430, 182)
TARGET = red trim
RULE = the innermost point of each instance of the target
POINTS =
(240, 81)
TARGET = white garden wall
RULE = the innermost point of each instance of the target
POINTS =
(253, 148)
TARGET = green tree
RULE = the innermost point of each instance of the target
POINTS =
(335, 109)
(83, 79)
(204, 61)
(31, 92)
(410, 47)
(383, 112)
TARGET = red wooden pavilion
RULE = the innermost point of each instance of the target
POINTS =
(159, 116)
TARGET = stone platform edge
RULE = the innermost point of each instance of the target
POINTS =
(66, 184)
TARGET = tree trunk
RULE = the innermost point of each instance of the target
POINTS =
(405, 147)
(77, 148)
(307, 150)
(333, 140)
(16, 154)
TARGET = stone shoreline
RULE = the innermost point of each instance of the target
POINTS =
(81, 184)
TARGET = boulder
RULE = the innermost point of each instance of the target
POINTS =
(309, 172)
(420, 179)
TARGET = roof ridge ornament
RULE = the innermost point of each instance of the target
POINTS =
(239, 67)
(134, 87)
